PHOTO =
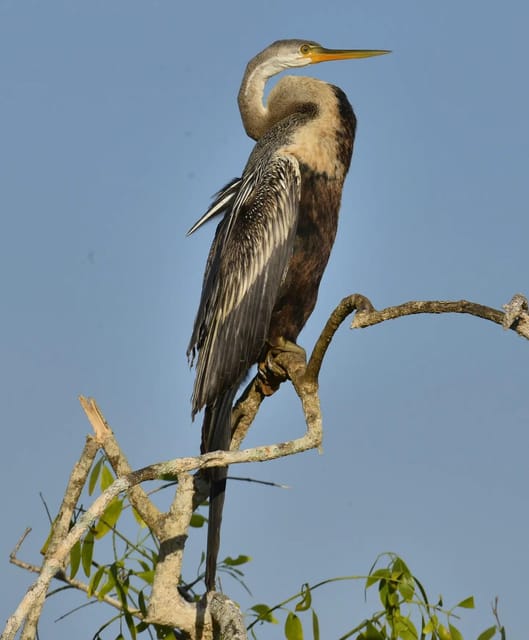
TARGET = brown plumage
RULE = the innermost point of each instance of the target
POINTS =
(272, 246)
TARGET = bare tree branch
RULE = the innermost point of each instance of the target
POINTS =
(29, 610)
(148, 511)
(354, 302)
(245, 410)
(167, 606)
(516, 310)
(60, 575)
(227, 615)
(60, 528)
(517, 318)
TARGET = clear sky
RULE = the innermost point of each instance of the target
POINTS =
(118, 121)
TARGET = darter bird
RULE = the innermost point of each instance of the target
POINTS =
(272, 245)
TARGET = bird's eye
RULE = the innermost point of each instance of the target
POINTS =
(304, 49)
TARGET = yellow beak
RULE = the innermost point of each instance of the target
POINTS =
(320, 54)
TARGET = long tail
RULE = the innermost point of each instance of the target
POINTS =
(216, 435)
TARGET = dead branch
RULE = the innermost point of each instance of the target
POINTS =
(228, 618)
(60, 575)
(105, 437)
(516, 318)
(167, 606)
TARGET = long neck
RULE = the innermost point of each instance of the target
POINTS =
(254, 113)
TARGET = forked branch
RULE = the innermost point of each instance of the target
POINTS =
(166, 605)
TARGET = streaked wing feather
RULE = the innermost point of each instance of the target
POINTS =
(221, 203)
(246, 265)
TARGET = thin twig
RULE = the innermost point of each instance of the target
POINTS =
(20, 542)
(267, 483)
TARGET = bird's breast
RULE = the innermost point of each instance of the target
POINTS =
(316, 147)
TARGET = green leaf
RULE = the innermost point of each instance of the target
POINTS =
(421, 589)
(121, 582)
(130, 625)
(109, 518)
(376, 576)
(487, 634)
(406, 629)
(143, 564)
(94, 475)
(87, 552)
(75, 558)
(146, 576)
(406, 589)
(107, 587)
(94, 582)
(393, 599)
(383, 593)
(306, 599)
(455, 634)
(44, 548)
(264, 613)
(233, 562)
(138, 518)
(141, 603)
(430, 626)
(106, 478)
(293, 627)
(467, 603)
(372, 633)
(400, 567)
(315, 626)
(197, 520)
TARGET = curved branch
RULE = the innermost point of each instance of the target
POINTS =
(248, 404)
(245, 410)
(516, 316)
(355, 302)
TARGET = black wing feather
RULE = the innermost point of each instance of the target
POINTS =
(220, 204)
(245, 268)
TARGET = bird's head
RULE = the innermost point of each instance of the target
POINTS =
(281, 55)
(287, 54)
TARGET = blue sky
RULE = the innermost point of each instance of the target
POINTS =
(118, 122)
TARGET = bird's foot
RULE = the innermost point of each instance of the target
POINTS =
(272, 371)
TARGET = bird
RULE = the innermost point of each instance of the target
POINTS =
(271, 247)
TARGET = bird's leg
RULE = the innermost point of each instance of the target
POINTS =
(271, 371)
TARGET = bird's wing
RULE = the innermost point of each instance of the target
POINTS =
(246, 266)
(221, 203)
